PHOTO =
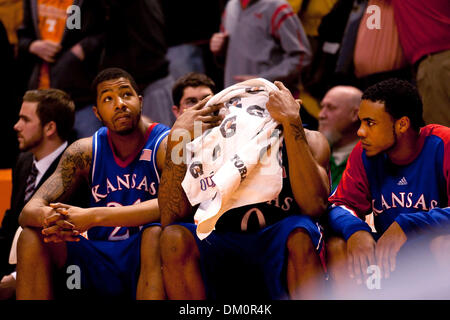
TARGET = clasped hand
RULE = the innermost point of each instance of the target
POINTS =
(65, 223)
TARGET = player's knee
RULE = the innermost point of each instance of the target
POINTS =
(29, 241)
(151, 235)
(299, 244)
(150, 240)
(176, 244)
(28, 238)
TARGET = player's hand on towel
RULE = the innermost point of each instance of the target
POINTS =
(388, 247)
(360, 254)
(206, 117)
(282, 106)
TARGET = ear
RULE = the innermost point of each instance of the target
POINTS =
(50, 129)
(403, 124)
(176, 111)
(95, 110)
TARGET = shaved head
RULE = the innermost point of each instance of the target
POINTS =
(338, 117)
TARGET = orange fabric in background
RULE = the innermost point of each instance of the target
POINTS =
(5, 191)
(52, 22)
(378, 50)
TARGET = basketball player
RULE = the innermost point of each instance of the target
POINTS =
(275, 259)
(400, 170)
(121, 163)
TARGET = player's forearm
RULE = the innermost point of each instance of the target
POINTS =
(309, 181)
(344, 222)
(126, 216)
(173, 203)
(435, 220)
(33, 214)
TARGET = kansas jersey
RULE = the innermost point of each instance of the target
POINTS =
(120, 183)
(415, 195)
(249, 242)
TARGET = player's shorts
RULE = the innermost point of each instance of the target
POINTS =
(108, 269)
(251, 265)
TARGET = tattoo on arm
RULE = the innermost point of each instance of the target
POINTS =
(299, 132)
(73, 166)
(174, 204)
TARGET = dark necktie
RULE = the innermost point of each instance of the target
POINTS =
(31, 183)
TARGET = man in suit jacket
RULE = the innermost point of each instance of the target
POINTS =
(45, 123)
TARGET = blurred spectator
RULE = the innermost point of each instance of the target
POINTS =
(339, 122)
(190, 89)
(358, 47)
(424, 32)
(337, 35)
(188, 31)
(378, 55)
(59, 47)
(261, 38)
(311, 13)
(135, 42)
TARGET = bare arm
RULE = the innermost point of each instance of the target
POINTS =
(82, 219)
(308, 164)
(124, 216)
(308, 154)
(48, 211)
(173, 203)
(72, 169)
(172, 200)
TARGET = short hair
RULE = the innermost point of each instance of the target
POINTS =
(110, 74)
(400, 99)
(54, 105)
(191, 79)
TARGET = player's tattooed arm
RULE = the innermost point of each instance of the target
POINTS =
(307, 152)
(173, 203)
(72, 170)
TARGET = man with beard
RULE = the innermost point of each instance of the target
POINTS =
(338, 122)
(121, 163)
(400, 171)
(45, 122)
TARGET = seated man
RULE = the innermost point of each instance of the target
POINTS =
(45, 123)
(338, 122)
(400, 170)
(190, 89)
(121, 163)
(277, 260)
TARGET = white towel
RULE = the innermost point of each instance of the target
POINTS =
(13, 251)
(230, 166)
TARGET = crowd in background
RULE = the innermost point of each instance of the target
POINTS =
(326, 52)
